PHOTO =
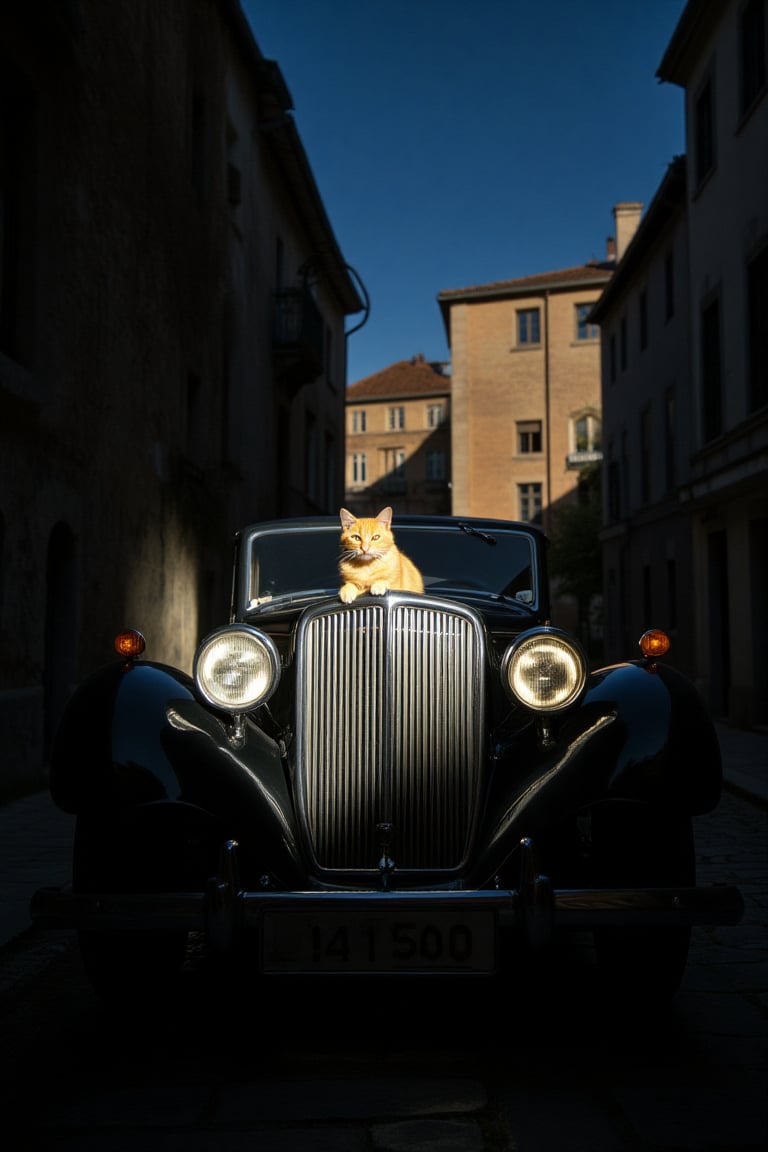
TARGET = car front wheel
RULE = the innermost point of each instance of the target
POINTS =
(635, 846)
(125, 967)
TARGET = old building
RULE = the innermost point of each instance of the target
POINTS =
(686, 538)
(172, 336)
(525, 386)
(647, 432)
(398, 439)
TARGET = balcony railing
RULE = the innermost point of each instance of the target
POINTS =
(582, 459)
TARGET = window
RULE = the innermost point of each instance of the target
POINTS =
(704, 133)
(359, 468)
(18, 183)
(669, 439)
(329, 373)
(585, 330)
(359, 420)
(752, 50)
(614, 497)
(646, 586)
(196, 138)
(529, 436)
(279, 265)
(528, 327)
(645, 455)
(669, 285)
(530, 503)
(711, 373)
(310, 458)
(671, 595)
(395, 419)
(623, 343)
(435, 465)
(234, 177)
(435, 415)
(330, 471)
(393, 479)
(586, 433)
(757, 335)
(642, 309)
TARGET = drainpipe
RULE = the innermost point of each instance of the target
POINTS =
(546, 503)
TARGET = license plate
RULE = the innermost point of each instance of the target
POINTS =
(434, 940)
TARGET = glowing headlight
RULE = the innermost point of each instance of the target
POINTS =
(544, 670)
(237, 668)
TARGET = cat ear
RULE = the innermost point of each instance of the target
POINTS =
(347, 519)
(385, 517)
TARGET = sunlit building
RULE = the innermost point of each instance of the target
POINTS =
(399, 440)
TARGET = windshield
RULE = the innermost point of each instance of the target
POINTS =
(460, 557)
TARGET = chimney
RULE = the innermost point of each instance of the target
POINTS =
(610, 249)
(627, 217)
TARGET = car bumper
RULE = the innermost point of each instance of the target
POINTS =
(224, 909)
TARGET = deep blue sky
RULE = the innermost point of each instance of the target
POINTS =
(458, 143)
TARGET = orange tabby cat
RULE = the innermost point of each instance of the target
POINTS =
(370, 560)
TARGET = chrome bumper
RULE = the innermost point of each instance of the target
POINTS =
(224, 908)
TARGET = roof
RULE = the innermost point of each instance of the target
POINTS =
(595, 274)
(414, 377)
(698, 19)
(281, 140)
(587, 274)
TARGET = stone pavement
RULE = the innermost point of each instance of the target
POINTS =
(36, 837)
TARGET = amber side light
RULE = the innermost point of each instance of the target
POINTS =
(654, 643)
(130, 643)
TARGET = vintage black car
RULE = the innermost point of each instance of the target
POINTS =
(408, 784)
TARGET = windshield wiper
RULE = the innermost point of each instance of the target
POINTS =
(470, 531)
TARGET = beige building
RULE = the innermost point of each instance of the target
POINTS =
(686, 406)
(526, 386)
(172, 336)
(399, 439)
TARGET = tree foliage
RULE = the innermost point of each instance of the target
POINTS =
(574, 550)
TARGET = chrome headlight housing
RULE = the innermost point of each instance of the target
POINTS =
(236, 668)
(544, 670)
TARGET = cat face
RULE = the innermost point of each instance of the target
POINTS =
(365, 537)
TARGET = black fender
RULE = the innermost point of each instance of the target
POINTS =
(134, 740)
(641, 733)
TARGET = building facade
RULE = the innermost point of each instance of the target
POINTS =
(687, 419)
(526, 387)
(399, 440)
(646, 540)
(172, 336)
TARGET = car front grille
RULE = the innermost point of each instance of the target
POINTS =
(389, 731)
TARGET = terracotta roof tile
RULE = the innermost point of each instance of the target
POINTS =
(415, 377)
(599, 272)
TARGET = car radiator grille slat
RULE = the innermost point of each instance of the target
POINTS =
(389, 731)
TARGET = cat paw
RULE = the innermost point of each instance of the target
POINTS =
(379, 587)
(347, 593)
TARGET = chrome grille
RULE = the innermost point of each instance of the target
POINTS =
(390, 713)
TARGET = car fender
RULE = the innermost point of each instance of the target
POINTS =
(665, 749)
(136, 735)
(641, 733)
